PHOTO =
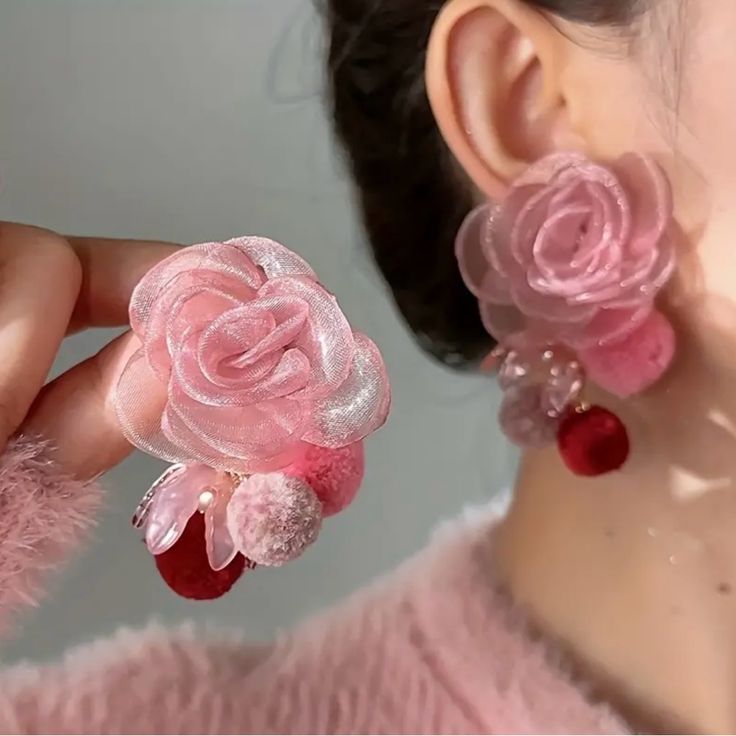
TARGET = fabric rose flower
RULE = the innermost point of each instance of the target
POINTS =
(244, 358)
(574, 255)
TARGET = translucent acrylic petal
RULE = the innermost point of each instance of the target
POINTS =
(176, 499)
(219, 544)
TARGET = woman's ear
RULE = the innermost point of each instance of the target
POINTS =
(495, 78)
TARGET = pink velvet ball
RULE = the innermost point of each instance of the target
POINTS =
(635, 364)
(273, 518)
(334, 475)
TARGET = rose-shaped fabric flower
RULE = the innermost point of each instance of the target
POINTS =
(575, 254)
(244, 357)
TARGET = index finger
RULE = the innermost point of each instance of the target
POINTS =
(76, 410)
(110, 271)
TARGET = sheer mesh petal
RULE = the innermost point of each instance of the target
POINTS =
(485, 281)
(326, 339)
(140, 400)
(198, 260)
(275, 259)
(359, 406)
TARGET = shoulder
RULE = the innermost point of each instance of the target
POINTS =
(432, 648)
(151, 680)
(358, 667)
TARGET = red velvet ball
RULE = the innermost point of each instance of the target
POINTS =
(187, 571)
(335, 475)
(594, 442)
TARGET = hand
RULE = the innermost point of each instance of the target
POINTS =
(51, 286)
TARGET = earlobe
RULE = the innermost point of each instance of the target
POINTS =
(494, 70)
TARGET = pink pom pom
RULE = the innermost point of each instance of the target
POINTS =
(629, 367)
(334, 475)
(273, 518)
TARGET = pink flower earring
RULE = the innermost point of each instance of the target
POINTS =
(566, 270)
(262, 395)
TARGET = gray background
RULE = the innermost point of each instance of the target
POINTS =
(192, 120)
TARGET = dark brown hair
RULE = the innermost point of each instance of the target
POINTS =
(410, 194)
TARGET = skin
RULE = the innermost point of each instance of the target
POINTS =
(634, 573)
(51, 286)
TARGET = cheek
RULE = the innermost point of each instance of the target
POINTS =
(675, 98)
(708, 115)
(708, 107)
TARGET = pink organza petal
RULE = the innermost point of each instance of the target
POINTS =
(599, 184)
(275, 259)
(275, 375)
(361, 404)
(218, 350)
(502, 322)
(222, 457)
(655, 272)
(196, 309)
(650, 198)
(192, 380)
(234, 438)
(563, 196)
(244, 355)
(641, 286)
(495, 289)
(526, 222)
(555, 252)
(196, 260)
(290, 377)
(608, 326)
(546, 170)
(176, 498)
(289, 315)
(577, 252)
(598, 256)
(327, 338)
(590, 173)
(221, 549)
(139, 401)
(482, 278)
(536, 305)
(502, 267)
(611, 227)
(180, 312)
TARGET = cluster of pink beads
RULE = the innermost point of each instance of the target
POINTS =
(540, 387)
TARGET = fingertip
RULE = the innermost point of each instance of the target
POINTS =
(110, 271)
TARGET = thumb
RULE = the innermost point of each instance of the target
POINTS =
(76, 412)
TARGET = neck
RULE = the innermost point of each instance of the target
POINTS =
(636, 572)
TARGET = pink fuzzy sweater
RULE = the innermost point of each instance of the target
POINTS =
(434, 648)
